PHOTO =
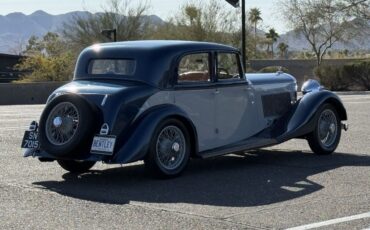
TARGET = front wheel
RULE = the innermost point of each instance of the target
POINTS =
(76, 166)
(169, 150)
(326, 135)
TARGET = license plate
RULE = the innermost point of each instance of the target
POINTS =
(30, 140)
(103, 145)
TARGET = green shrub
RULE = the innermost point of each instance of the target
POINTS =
(352, 76)
(332, 77)
(273, 69)
(46, 59)
(359, 73)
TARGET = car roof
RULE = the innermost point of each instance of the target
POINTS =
(154, 57)
(152, 45)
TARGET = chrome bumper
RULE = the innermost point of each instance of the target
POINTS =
(344, 126)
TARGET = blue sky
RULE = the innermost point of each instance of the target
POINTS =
(162, 8)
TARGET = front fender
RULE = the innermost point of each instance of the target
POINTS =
(301, 121)
(138, 142)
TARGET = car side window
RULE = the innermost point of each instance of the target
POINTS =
(194, 68)
(228, 67)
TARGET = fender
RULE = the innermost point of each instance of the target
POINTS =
(137, 144)
(302, 115)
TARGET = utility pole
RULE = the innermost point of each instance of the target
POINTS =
(235, 3)
(244, 36)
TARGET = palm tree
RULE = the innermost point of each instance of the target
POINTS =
(283, 48)
(254, 17)
(272, 36)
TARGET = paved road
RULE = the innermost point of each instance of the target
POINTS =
(279, 187)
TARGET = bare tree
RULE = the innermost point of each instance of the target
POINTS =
(202, 21)
(130, 22)
(18, 47)
(325, 22)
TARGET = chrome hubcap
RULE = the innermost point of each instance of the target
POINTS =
(57, 122)
(332, 128)
(328, 128)
(62, 123)
(170, 147)
(176, 147)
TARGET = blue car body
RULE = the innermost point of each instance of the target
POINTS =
(222, 115)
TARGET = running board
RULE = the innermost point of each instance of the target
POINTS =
(249, 144)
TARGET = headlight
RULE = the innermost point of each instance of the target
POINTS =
(311, 86)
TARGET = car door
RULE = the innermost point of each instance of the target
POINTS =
(194, 93)
(234, 109)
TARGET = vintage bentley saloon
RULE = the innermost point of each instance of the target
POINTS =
(165, 102)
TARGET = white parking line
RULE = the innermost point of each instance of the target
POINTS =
(13, 129)
(356, 102)
(331, 222)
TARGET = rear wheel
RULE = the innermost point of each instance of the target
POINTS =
(326, 135)
(76, 166)
(169, 150)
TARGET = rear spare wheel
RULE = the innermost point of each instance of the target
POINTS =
(66, 126)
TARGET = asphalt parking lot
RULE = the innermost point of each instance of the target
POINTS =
(275, 188)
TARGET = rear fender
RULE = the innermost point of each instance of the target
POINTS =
(138, 143)
(301, 121)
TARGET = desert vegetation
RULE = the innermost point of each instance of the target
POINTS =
(322, 23)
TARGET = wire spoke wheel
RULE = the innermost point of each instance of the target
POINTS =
(169, 150)
(170, 147)
(327, 128)
(325, 138)
(62, 123)
(67, 126)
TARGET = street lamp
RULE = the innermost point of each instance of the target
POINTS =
(235, 3)
(108, 34)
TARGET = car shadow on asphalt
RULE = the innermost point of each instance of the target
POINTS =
(257, 178)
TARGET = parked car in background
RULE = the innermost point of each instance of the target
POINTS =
(165, 102)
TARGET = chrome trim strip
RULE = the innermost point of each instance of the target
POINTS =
(104, 100)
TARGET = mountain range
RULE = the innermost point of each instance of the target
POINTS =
(297, 42)
(17, 28)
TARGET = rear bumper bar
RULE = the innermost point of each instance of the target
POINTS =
(344, 126)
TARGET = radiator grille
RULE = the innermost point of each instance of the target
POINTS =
(276, 104)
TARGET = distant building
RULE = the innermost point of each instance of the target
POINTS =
(7, 71)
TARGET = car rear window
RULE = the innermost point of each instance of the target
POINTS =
(124, 67)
